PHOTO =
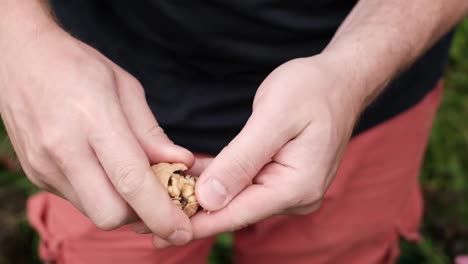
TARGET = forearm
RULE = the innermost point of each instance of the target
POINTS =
(22, 21)
(379, 39)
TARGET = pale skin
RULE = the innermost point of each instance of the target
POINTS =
(82, 129)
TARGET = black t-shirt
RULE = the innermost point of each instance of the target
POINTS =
(201, 62)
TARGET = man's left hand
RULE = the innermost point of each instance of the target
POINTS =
(286, 156)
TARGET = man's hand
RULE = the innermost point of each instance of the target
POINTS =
(83, 130)
(286, 155)
(288, 152)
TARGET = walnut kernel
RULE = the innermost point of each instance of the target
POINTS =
(180, 187)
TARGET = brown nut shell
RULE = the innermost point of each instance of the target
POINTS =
(180, 188)
(165, 170)
(191, 209)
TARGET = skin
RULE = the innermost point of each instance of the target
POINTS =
(100, 142)
(81, 127)
(312, 104)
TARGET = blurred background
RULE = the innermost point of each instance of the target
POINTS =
(444, 179)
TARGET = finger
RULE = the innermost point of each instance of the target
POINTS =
(314, 163)
(201, 163)
(303, 210)
(257, 202)
(199, 166)
(153, 140)
(315, 156)
(160, 243)
(101, 202)
(59, 186)
(237, 214)
(237, 164)
(62, 188)
(140, 228)
(129, 170)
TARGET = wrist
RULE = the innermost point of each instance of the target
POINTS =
(366, 73)
(324, 91)
(350, 86)
(379, 40)
(22, 23)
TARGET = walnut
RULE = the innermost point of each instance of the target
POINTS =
(180, 187)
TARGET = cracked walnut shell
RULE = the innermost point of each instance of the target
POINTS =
(180, 187)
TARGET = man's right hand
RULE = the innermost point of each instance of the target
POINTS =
(82, 129)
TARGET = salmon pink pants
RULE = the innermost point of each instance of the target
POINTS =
(373, 201)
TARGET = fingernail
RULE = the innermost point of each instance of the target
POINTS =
(212, 194)
(179, 237)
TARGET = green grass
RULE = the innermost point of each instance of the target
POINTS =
(445, 173)
(222, 250)
(444, 180)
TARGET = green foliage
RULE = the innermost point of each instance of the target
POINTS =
(444, 175)
(222, 250)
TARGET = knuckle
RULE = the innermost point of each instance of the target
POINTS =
(96, 71)
(155, 132)
(130, 82)
(289, 195)
(304, 211)
(133, 82)
(87, 110)
(37, 180)
(92, 72)
(311, 196)
(58, 150)
(37, 163)
(129, 182)
(38, 183)
(291, 198)
(40, 172)
(300, 194)
(315, 195)
(52, 143)
(34, 161)
(309, 209)
(110, 216)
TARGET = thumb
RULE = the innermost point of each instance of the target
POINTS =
(157, 146)
(238, 163)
